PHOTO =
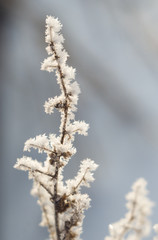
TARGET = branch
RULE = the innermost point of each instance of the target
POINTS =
(42, 148)
(64, 209)
(36, 170)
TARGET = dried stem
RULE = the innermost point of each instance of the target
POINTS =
(78, 184)
(37, 170)
(63, 133)
(42, 148)
(59, 149)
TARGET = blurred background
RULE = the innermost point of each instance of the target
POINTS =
(113, 44)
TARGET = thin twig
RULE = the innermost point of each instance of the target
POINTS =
(63, 133)
(52, 195)
(36, 170)
(78, 184)
(42, 148)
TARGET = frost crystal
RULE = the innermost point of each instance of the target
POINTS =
(62, 204)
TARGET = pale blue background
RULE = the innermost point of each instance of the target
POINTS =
(114, 46)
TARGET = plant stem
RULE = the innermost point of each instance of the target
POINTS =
(63, 133)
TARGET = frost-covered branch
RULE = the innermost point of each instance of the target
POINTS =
(62, 204)
(135, 225)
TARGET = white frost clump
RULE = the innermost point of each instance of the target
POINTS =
(56, 102)
(27, 163)
(84, 176)
(40, 142)
(135, 225)
(62, 204)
